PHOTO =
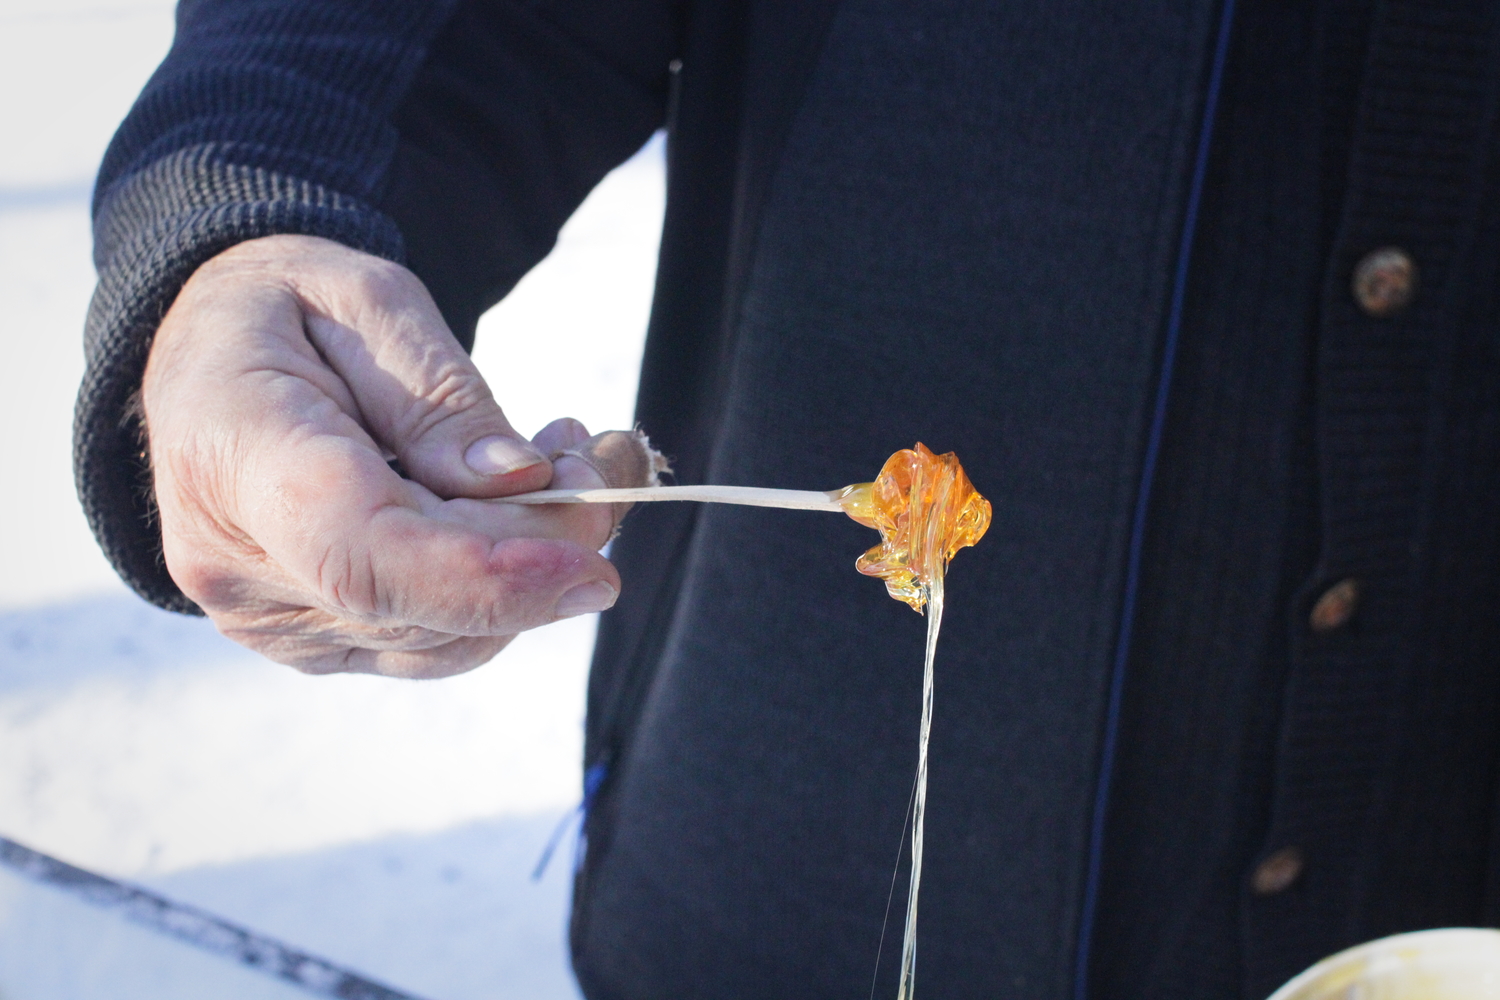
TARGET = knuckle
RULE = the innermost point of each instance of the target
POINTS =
(457, 391)
(218, 569)
(534, 565)
(529, 574)
(398, 637)
(305, 659)
(457, 656)
(336, 662)
(383, 284)
(207, 582)
(308, 640)
(467, 654)
(345, 579)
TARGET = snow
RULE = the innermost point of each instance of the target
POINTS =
(387, 826)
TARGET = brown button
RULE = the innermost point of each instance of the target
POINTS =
(1336, 606)
(1277, 873)
(1385, 282)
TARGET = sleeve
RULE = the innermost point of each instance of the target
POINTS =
(454, 137)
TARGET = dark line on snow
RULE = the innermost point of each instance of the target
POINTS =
(196, 927)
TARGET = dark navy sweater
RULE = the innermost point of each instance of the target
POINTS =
(1023, 232)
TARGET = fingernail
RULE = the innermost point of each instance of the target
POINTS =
(585, 599)
(493, 456)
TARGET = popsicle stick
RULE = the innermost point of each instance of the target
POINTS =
(749, 496)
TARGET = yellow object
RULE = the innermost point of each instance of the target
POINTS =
(1456, 963)
(925, 509)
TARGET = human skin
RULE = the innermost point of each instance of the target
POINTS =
(285, 375)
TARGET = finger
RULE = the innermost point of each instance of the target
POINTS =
(272, 627)
(340, 522)
(462, 654)
(454, 655)
(593, 522)
(484, 588)
(560, 434)
(315, 641)
(587, 524)
(418, 392)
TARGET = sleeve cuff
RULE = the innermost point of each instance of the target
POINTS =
(153, 229)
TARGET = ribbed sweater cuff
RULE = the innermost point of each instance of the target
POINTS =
(152, 231)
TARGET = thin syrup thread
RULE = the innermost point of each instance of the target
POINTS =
(886, 919)
(907, 990)
(932, 558)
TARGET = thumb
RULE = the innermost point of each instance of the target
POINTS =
(419, 394)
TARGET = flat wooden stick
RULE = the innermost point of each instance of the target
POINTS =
(750, 496)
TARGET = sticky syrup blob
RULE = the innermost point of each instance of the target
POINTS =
(925, 509)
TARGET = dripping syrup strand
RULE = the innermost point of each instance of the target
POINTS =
(907, 989)
(891, 894)
(933, 563)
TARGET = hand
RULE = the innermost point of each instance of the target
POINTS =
(286, 374)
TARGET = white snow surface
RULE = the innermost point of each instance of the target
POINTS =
(387, 826)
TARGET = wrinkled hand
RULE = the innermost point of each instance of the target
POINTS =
(286, 374)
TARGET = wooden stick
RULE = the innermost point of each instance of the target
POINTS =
(750, 496)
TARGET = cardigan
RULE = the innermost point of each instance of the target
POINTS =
(1118, 283)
